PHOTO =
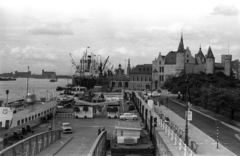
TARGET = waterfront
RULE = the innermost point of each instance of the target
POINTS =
(41, 87)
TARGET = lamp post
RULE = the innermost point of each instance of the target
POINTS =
(7, 91)
(27, 82)
(186, 114)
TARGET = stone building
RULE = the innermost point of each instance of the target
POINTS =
(119, 79)
(182, 61)
(141, 77)
(48, 74)
(22, 74)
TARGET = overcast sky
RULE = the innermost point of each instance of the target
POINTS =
(42, 33)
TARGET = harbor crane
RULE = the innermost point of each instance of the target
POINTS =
(73, 62)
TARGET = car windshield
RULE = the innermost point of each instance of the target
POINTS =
(66, 125)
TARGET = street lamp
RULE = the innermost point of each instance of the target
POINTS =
(7, 91)
(186, 114)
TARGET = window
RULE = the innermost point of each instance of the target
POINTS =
(133, 78)
(160, 69)
(25, 119)
(137, 78)
(32, 117)
(139, 69)
(145, 78)
(187, 56)
(35, 115)
(29, 119)
(163, 69)
(38, 114)
(18, 122)
(22, 121)
(160, 78)
(143, 69)
(121, 132)
(187, 61)
(159, 62)
(141, 78)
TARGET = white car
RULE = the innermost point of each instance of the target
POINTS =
(66, 128)
(127, 116)
(156, 93)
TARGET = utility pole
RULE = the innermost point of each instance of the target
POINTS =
(27, 81)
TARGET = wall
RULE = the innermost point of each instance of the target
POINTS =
(210, 65)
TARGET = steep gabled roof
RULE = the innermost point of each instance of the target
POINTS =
(171, 58)
(210, 53)
(199, 57)
(181, 45)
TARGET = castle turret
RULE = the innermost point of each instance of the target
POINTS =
(128, 68)
(227, 65)
(180, 58)
(181, 45)
(210, 61)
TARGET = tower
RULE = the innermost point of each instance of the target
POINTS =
(128, 67)
(180, 56)
(210, 61)
(227, 65)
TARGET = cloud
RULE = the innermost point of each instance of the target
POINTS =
(225, 10)
(125, 51)
(53, 28)
(31, 53)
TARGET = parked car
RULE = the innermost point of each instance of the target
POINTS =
(155, 93)
(127, 116)
(66, 128)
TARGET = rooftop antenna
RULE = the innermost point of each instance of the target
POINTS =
(228, 48)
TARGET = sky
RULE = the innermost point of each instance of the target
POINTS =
(41, 33)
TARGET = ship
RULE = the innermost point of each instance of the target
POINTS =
(92, 72)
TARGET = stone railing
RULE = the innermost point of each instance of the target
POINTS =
(33, 145)
(147, 113)
(99, 146)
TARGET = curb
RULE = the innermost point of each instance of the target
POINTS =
(224, 123)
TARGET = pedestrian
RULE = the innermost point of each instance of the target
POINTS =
(99, 130)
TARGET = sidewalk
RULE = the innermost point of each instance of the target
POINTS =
(207, 146)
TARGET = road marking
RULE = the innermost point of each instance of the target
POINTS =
(237, 136)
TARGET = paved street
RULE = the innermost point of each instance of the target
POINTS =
(226, 135)
(85, 132)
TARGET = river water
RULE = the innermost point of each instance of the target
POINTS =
(40, 87)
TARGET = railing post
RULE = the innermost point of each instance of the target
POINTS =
(172, 135)
(175, 139)
(179, 144)
(185, 149)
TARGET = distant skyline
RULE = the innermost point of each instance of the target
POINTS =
(41, 34)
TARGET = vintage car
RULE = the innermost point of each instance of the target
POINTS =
(66, 128)
(127, 116)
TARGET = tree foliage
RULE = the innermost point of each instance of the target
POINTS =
(208, 90)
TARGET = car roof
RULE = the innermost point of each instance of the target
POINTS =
(65, 123)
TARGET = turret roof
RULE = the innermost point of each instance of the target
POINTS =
(181, 45)
(210, 53)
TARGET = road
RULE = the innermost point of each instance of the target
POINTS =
(226, 135)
